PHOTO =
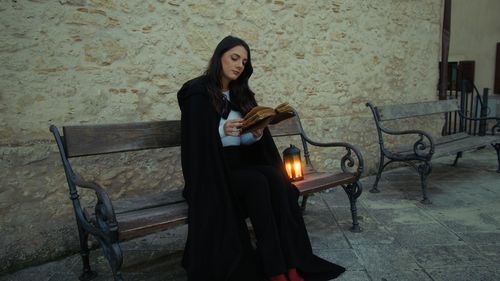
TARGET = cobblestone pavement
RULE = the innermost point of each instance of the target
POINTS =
(457, 237)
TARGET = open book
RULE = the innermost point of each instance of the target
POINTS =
(261, 116)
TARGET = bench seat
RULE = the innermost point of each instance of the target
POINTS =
(453, 144)
(139, 216)
(318, 181)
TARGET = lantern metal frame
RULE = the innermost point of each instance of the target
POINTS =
(291, 158)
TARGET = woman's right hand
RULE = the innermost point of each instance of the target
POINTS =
(233, 127)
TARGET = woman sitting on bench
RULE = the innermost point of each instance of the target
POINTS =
(230, 176)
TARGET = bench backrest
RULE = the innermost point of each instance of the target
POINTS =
(392, 112)
(292, 127)
(83, 140)
(288, 127)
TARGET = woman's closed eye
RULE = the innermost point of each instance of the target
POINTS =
(236, 58)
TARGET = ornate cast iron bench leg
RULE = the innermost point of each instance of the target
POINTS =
(87, 273)
(424, 170)
(379, 174)
(116, 261)
(497, 148)
(459, 155)
(114, 255)
(304, 202)
(353, 192)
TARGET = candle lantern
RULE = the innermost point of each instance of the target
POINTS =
(293, 164)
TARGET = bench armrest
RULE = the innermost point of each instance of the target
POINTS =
(478, 118)
(104, 212)
(494, 129)
(347, 160)
(423, 147)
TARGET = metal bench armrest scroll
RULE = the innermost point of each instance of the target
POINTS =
(424, 146)
(347, 160)
(104, 213)
(494, 129)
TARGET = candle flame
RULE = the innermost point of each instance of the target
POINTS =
(288, 167)
(297, 169)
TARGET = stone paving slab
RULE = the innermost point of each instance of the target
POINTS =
(456, 238)
(27, 276)
(489, 251)
(401, 216)
(438, 256)
(358, 275)
(481, 237)
(413, 235)
(467, 219)
(344, 257)
(391, 200)
(400, 275)
(473, 273)
(385, 257)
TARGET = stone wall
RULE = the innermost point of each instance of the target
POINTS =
(104, 61)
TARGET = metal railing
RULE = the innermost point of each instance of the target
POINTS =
(473, 105)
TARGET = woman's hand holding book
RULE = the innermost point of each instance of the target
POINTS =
(261, 116)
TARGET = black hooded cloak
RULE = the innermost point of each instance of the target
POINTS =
(218, 246)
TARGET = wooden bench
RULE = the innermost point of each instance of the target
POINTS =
(427, 147)
(119, 220)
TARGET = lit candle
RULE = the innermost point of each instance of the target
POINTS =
(297, 169)
(288, 167)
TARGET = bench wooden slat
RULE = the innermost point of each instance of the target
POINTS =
(318, 181)
(147, 201)
(470, 143)
(452, 144)
(406, 148)
(286, 127)
(451, 138)
(142, 222)
(83, 140)
(400, 111)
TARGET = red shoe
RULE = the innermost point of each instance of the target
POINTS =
(280, 277)
(293, 275)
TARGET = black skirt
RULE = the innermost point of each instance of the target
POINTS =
(262, 193)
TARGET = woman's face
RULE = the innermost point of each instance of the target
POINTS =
(233, 63)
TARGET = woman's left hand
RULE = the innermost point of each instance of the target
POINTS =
(232, 127)
(257, 133)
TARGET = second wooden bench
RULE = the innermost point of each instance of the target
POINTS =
(426, 146)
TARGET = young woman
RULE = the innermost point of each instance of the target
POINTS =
(230, 176)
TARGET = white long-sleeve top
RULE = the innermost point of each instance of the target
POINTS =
(244, 139)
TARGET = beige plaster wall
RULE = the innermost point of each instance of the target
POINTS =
(103, 61)
(475, 31)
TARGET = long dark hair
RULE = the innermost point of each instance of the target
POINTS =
(241, 95)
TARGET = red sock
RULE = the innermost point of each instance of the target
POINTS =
(280, 277)
(294, 275)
